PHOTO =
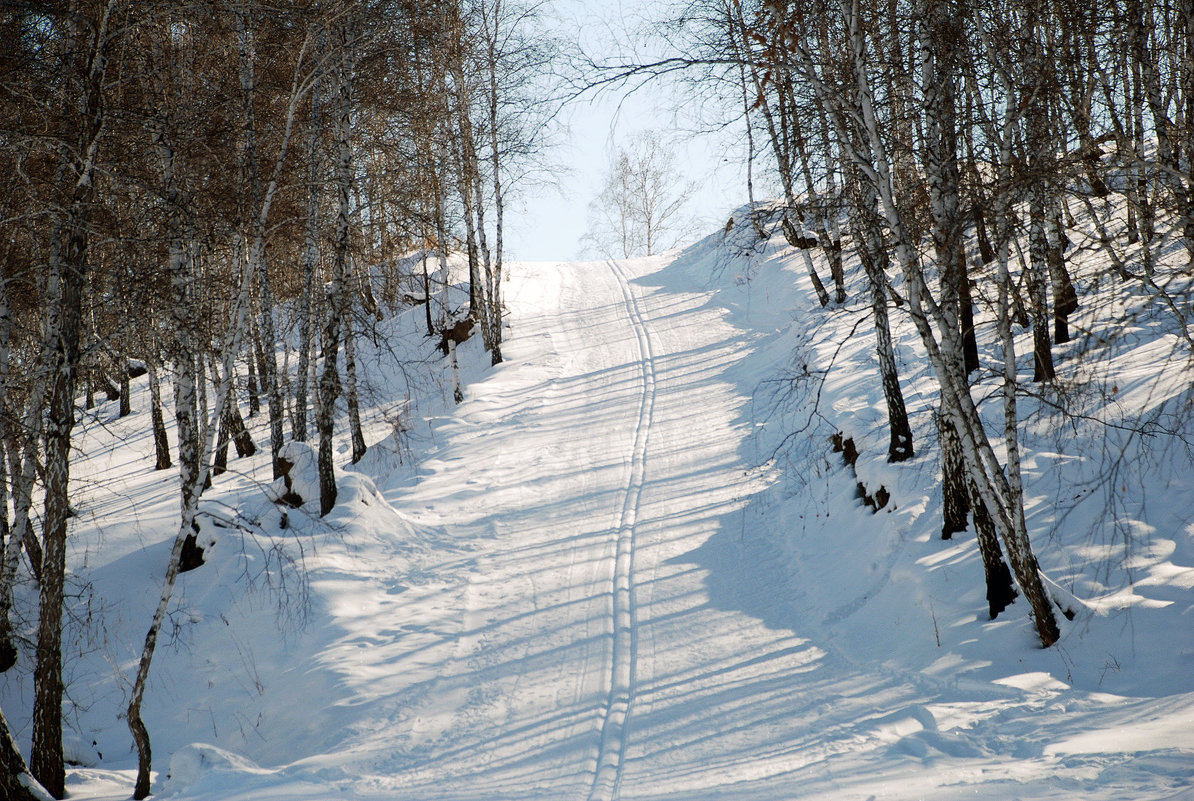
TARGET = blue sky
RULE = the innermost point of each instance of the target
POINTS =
(547, 223)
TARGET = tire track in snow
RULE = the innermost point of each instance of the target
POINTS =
(616, 713)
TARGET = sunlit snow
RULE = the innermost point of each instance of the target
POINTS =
(629, 565)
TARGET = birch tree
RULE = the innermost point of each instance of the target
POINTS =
(90, 38)
(329, 387)
(639, 211)
(999, 490)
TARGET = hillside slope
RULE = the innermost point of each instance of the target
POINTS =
(630, 566)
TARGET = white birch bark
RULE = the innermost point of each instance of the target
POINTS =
(939, 339)
(68, 267)
(191, 482)
(307, 303)
(264, 192)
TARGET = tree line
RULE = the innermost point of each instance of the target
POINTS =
(960, 149)
(182, 185)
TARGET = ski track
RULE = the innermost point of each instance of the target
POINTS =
(613, 620)
(589, 594)
(530, 692)
(616, 717)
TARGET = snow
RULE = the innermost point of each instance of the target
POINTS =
(629, 565)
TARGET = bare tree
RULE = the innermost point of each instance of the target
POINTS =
(639, 211)
(146, 156)
(83, 102)
(854, 103)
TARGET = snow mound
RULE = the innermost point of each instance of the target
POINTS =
(207, 768)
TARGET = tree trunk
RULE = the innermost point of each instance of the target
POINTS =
(338, 291)
(457, 393)
(4, 521)
(263, 192)
(978, 204)
(161, 445)
(1000, 589)
(68, 266)
(68, 282)
(16, 782)
(193, 458)
(5, 364)
(1036, 269)
(252, 359)
(1171, 170)
(1185, 20)
(21, 533)
(1005, 505)
(1038, 142)
(220, 465)
(350, 393)
(201, 402)
(465, 147)
(1065, 297)
(269, 373)
(779, 128)
(1011, 522)
(241, 437)
(329, 389)
(955, 500)
(126, 407)
(310, 259)
(899, 448)
(873, 255)
(793, 237)
(427, 295)
(937, 32)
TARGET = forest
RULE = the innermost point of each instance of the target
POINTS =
(187, 183)
(964, 152)
(194, 192)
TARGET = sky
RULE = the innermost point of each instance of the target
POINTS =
(546, 223)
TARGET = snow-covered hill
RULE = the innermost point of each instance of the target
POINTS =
(630, 565)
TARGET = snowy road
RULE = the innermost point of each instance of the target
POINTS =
(574, 651)
(588, 590)
(605, 609)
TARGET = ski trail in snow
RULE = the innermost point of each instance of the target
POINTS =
(616, 717)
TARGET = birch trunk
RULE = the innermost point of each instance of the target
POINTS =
(350, 391)
(329, 389)
(873, 256)
(778, 128)
(341, 301)
(5, 359)
(1040, 164)
(1185, 19)
(1001, 591)
(938, 36)
(63, 331)
(310, 261)
(263, 193)
(993, 486)
(126, 402)
(1141, 28)
(161, 444)
(955, 499)
(16, 782)
(937, 44)
(194, 458)
(24, 455)
(338, 290)
(68, 271)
